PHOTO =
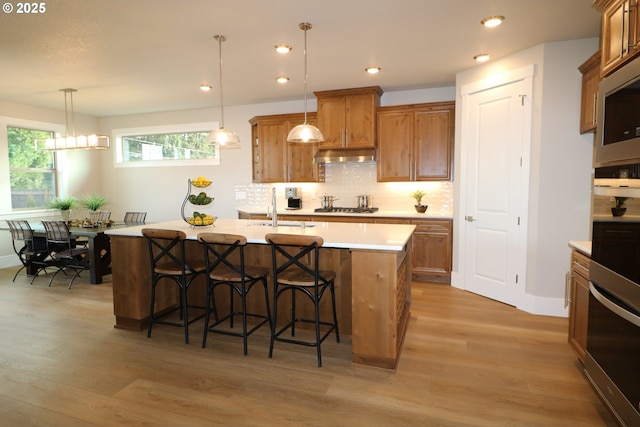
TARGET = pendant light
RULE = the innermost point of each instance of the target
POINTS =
(70, 141)
(305, 132)
(221, 136)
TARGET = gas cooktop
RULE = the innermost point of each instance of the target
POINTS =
(346, 210)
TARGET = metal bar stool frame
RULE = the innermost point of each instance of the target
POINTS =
(291, 273)
(219, 248)
(167, 265)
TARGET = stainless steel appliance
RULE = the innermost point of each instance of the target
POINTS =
(346, 210)
(613, 331)
(365, 201)
(618, 131)
(293, 200)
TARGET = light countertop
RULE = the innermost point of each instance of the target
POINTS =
(386, 237)
(410, 214)
(583, 246)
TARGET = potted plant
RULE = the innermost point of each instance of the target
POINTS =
(93, 202)
(418, 195)
(619, 209)
(64, 204)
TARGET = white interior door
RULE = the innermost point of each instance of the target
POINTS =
(494, 132)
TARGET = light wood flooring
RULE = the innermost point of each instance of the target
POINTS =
(467, 361)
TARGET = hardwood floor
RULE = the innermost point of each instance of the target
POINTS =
(467, 361)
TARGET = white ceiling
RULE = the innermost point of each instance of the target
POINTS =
(137, 56)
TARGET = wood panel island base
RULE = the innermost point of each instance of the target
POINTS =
(373, 283)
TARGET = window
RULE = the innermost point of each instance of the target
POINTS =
(166, 145)
(32, 172)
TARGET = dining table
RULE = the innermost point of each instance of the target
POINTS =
(98, 244)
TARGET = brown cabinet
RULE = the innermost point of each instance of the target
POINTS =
(415, 142)
(578, 302)
(620, 33)
(347, 118)
(275, 159)
(590, 80)
(432, 250)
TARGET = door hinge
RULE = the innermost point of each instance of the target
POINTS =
(522, 99)
(518, 220)
(516, 278)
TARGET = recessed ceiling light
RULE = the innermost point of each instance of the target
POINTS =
(283, 48)
(282, 80)
(483, 57)
(372, 70)
(205, 88)
(492, 21)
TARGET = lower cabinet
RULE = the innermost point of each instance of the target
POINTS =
(578, 301)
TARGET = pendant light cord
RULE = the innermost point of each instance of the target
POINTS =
(220, 40)
(305, 26)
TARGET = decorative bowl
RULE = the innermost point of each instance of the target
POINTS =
(200, 221)
(201, 183)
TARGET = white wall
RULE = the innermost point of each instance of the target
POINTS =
(560, 162)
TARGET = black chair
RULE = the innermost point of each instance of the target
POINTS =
(168, 263)
(64, 253)
(135, 217)
(296, 269)
(32, 253)
(224, 256)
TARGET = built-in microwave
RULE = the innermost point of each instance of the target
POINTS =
(618, 131)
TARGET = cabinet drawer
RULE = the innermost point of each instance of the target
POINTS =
(580, 264)
(432, 226)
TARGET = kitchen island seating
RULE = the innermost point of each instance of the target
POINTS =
(63, 252)
(169, 264)
(135, 217)
(296, 270)
(225, 262)
(30, 254)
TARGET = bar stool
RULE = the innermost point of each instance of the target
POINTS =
(167, 257)
(292, 273)
(224, 256)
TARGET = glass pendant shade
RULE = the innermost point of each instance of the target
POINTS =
(221, 136)
(71, 141)
(224, 138)
(305, 133)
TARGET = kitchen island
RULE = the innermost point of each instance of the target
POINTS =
(372, 263)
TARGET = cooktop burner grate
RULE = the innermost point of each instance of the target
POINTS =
(346, 210)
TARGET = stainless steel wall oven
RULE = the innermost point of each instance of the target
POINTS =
(612, 362)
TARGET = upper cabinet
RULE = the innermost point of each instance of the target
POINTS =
(275, 159)
(347, 118)
(620, 33)
(590, 80)
(415, 142)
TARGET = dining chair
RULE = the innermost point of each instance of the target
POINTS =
(32, 252)
(226, 267)
(135, 217)
(296, 269)
(64, 253)
(169, 264)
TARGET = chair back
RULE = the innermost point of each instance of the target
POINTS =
(166, 251)
(219, 251)
(135, 217)
(102, 215)
(293, 249)
(57, 232)
(20, 230)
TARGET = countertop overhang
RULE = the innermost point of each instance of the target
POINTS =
(381, 237)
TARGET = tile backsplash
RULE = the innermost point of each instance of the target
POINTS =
(345, 181)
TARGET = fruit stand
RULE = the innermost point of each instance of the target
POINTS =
(198, 218)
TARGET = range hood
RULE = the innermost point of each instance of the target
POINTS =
(358, 155)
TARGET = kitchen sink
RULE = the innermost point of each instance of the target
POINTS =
(289, 224)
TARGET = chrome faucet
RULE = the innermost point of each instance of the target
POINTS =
(274, 208)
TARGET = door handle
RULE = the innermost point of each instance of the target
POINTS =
(469, 218)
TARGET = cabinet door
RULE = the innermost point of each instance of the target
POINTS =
(300, 166)
(360, 121)
(590, 81)
(395, 140)
(273, 145)
(434, 144)
(616, 34)
(331, 121)
(578, 314)
(431, 255)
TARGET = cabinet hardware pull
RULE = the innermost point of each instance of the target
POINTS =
(469, 218)
(566, 289)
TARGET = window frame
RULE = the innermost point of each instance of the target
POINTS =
(117, 135)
